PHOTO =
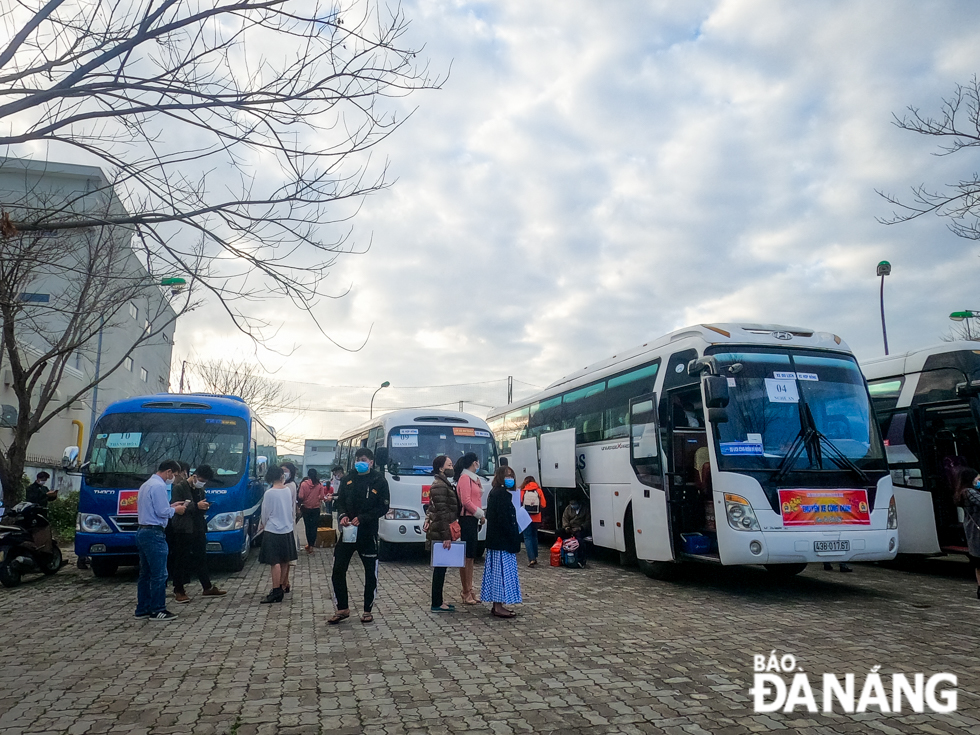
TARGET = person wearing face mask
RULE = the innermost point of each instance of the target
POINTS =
(501, 585)
(576, 521)
(189, 535)
(361, 502)
(967, 497)
(153, 514)
(441, 523)
(472, 516)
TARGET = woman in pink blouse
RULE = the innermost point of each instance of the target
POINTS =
(470, 491)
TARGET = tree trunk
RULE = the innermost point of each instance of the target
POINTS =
(12, 471)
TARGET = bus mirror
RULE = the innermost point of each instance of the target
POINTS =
(70, 458)
(968, 390)
(698, 366)
(718, 415)
(381, 457)
(715, 391)
(261, 465)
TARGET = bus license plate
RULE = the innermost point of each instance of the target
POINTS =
(831, 545)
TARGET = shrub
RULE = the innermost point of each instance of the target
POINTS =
(62, 513)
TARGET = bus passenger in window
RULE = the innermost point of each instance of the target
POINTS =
(532, 498)
(967, 497)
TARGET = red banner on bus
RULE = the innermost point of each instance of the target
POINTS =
(127, 502)
(824, 507)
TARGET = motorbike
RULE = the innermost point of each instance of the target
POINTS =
(26, 544)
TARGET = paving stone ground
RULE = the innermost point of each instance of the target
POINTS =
(600, 650)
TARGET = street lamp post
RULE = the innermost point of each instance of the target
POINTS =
(965, 316)
(383, 385)
(884, 269)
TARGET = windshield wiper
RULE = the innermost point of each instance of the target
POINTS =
(810, 438)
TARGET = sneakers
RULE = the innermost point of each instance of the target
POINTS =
(144, 615)
(274, 596)
(213, 591)
(446, 609)
(164, 616)
(181, 597)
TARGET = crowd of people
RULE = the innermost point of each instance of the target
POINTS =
(172, 533)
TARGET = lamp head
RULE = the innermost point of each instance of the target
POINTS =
(958, 316)
(385, 384)
(884, 268)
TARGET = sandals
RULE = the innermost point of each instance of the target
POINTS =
(367, 618)
(338, 618)
(508, 614)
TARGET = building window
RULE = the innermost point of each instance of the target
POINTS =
(133, 311)
(166, 337)
(128, 364)
(146, 326)
(143, 374)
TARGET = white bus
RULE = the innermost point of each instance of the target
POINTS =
(928, 409)
(721, 443)
(405, 443)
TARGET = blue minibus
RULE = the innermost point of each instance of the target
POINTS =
(128, 443)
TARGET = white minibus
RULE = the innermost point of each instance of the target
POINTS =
(718, 443)
(928, 410)
(405, 443)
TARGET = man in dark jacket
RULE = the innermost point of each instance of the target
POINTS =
(39, 493)
(189, 535)
(361, 502)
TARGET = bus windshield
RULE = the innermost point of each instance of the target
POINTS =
(128, 447)
(412, 448)
(771, 391)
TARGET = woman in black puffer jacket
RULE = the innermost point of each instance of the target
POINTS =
(442, 513)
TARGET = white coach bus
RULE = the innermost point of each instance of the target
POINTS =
(404, 444)
(928, 410)
(721, 443)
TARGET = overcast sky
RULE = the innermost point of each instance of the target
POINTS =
(592, 175)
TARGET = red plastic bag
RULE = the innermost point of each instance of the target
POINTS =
(556, 554)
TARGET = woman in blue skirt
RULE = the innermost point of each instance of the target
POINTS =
(500, 583)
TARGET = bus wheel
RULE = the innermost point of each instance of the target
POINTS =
(785, 570)
(661, 570)
(238, 560)
(103, 568)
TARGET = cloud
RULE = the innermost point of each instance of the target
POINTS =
(594, 175)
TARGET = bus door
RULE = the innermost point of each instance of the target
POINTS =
(651, 522)
(689, 470)
(949, 440)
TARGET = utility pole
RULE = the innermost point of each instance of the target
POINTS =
(510, 389)
(884, 269)
(460, 406)
(183, 367)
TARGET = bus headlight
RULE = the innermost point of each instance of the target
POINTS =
(892, 514)
(227, 522)
(400, 514)
(741, 517)
(91, 523)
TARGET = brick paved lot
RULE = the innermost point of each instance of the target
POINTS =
(601, 650)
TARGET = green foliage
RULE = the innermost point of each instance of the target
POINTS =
(61, 513)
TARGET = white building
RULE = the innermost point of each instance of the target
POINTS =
(146, 370)
(320, 454)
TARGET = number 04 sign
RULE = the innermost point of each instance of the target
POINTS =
(782, 391)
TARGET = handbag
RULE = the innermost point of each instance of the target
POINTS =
(455, 532)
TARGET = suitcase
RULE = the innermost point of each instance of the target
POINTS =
(325, 538)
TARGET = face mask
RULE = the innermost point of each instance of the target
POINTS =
(285, 476)
(361, 467)
(170, 481)
(509, 482)
(575, 506)
(200, 485)
(449, 473)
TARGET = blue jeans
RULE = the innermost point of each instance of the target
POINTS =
(151, 590)
(531, 541)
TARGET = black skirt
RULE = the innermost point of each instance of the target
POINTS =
(277, 548)
(469, 528)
